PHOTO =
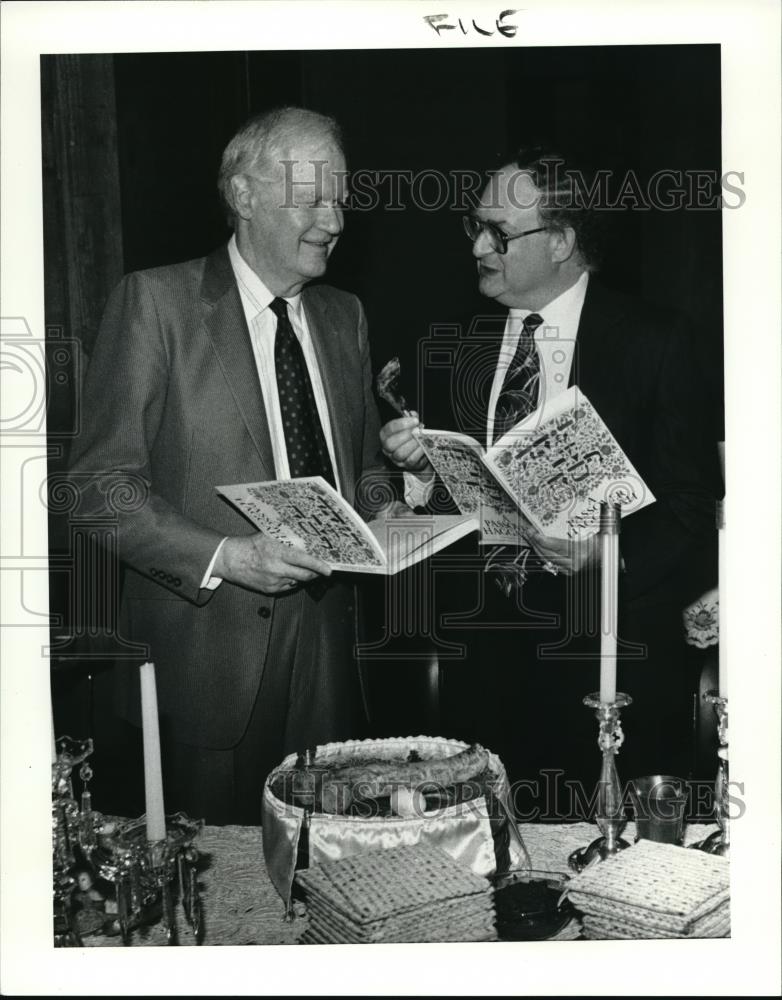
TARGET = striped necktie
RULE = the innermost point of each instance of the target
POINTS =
(520, 388)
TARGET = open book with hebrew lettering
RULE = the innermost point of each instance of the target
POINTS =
(310, 514)
(553, 469)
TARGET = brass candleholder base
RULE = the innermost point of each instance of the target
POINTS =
(610, 811)
(719, 841)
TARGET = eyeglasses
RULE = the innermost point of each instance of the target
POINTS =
(498, 240)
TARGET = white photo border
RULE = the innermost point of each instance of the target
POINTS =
(748, 962)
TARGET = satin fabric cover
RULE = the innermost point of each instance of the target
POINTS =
(463, 830)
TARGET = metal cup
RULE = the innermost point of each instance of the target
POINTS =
(659, 801)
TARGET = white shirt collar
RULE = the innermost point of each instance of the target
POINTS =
(560, 309)
(251, 287)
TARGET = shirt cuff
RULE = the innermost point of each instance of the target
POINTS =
(210, 582)
(417, 493)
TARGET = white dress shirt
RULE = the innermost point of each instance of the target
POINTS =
(555, 340)
(262, 324)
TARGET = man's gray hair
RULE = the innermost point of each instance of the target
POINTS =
(262, 140)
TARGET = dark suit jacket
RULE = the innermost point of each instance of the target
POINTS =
(172, 408)
(641, 370)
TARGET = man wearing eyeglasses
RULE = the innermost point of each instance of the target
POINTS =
(224, 370)
(532, 650)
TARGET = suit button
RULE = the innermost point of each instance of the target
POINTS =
(263, 612)
(177, 582)
(154, 572)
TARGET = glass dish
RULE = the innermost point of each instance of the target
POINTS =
(529, 905)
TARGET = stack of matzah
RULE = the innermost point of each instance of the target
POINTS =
(654, 890)
(416, 893)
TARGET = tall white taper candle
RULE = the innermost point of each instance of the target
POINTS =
(153, 774)
(609, 552)
(51, 719)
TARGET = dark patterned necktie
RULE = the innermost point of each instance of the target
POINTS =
(308, 453)
(520, 388)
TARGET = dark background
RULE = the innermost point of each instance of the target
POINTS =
(131, 147)
(162, 120)
(628, 108)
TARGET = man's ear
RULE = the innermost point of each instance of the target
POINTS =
(243, 196)
(563, 244)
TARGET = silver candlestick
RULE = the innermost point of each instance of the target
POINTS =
(86, 848)
(145, 873)
(610, 809)
(719, 841)
(73, 834)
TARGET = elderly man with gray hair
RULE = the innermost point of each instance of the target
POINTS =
(222, 370)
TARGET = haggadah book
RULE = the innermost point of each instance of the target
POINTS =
(309, 514)
(553, 469)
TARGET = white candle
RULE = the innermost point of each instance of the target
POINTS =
(51, 720)
(608, 616)
(153, 774)
(722, 583)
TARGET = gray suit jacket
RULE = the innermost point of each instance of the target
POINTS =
(172, 407)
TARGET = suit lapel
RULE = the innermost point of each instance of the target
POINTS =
(324, 333)
(603, 367)
(598, 343)
(227, 329)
